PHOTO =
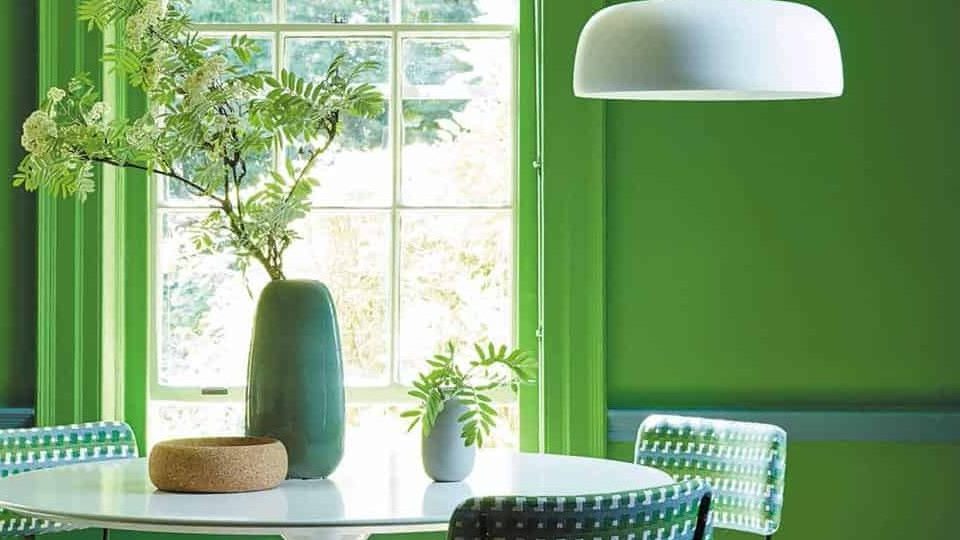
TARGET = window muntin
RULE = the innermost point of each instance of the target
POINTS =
(413, 226)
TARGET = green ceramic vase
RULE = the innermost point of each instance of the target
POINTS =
(295, 377)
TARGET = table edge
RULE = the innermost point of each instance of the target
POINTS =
(222, 527)
(174, 525)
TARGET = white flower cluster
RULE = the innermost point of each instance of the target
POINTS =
(97, 113)
(39, 131)
(139, 23)
(197, 83)
(55, 95)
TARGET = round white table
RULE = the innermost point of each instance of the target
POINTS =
(372, 493)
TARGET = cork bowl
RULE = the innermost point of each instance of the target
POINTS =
(218, 464)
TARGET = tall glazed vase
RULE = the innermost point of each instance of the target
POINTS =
(295, 377)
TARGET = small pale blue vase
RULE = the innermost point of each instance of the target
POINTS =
(445, 456)
(295, 377)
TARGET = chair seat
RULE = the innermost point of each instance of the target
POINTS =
(744, 463)
(23, 450)
(12, 524)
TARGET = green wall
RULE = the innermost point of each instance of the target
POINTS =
(803, 255)
(799, 253)
(18, 71)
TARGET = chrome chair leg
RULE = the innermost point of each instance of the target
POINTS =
(106, 534)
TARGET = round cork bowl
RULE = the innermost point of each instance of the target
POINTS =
(218, 464)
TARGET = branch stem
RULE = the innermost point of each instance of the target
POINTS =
(170, 174)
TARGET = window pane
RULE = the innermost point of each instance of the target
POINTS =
(456, 68)
(369, 425)
(261, 60)
(177, 193)
(175, 419)
(455, 282)
(231, 11)
(460, 11)
(338, 11)
(457, 128)
(357, 169)
(456, 153)
(207, 311)
(350, 253)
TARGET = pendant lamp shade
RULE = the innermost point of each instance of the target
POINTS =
(708, 50)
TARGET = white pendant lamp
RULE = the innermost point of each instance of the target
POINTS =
(708, 50)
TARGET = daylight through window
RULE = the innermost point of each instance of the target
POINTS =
(412, 228)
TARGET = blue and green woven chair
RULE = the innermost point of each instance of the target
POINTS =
(675, 512)
(23, 450)
(744, 463)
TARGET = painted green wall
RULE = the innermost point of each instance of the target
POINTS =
(18, 68)
(803, 255)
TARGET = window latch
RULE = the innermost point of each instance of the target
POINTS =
(214, 391)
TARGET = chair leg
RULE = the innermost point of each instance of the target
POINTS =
(106, 534)
(703, 512)
(769, 537)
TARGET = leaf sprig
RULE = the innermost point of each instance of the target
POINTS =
(213, 122)
(470, 384)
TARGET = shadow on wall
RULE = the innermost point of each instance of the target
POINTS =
(18, 254)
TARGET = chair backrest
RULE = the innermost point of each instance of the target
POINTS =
(744, 462)
(24, 450)
(675, 512)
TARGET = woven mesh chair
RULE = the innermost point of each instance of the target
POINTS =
(743, 462)
(675, 512)
(23, 450)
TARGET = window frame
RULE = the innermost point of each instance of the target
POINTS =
(278, 32)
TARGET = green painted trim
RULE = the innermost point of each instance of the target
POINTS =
(68, 238)
(128, 241)
(926, 427)
(136, 204)
(527, 204)
(114, 247)
(46, 230)
(572, 307)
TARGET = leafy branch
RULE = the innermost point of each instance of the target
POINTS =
(212, 118)
(471, 385)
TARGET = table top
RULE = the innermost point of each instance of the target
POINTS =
(369, 493)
